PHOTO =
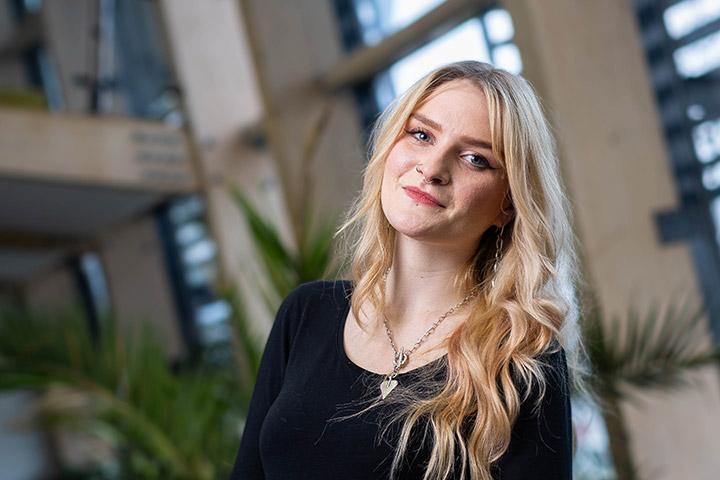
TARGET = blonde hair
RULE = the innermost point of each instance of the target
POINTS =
(493, 358)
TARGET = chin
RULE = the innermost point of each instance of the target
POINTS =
(418, 232)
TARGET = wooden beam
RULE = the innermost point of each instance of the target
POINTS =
(213, 64)
(368, 61)
(115, 152)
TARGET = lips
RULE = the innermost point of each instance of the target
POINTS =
(422, 197)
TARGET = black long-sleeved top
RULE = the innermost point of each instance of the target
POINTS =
(306, 380)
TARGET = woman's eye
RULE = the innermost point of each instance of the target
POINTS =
(420, 135)
(477, 161)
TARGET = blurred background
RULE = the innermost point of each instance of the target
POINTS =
(170, 169)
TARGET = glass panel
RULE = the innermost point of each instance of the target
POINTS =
(381, 18)
(592, 457)
(487, 38)
(499, 26)
(33, 6)
(50, 81)
(507, 57)
(200, 252)
(190, 232)
(706, 139)
(711, 177)
(696, 112)
(92, 268)
(687, 16)
(699, 57)
(464, 42)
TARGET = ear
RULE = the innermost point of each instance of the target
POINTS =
(505, 217)
(507, 212)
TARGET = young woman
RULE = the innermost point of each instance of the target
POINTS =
(445, 356)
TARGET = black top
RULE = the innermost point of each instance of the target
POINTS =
(306, 381)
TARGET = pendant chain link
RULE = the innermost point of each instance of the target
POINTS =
(402, 356)
(402, 353)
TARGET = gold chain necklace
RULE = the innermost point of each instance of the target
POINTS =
(401, 356)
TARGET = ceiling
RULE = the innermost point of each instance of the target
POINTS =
(40, 220)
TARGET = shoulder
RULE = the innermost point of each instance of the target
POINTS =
(319, 294)
(311, 302)
(551, 386)
(554, 364)
(550, 369)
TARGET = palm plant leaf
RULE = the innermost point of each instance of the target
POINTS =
(126, 392)
(651, 350)
(277, 259)
(285, 268)
(316, 251)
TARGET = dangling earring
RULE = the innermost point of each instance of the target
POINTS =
(498, 252)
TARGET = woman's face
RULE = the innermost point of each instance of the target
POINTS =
(446, 141)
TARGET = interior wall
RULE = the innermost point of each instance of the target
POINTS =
(12, 71)
(586, 60)
(254, 103)
(137, 279)
(54, 291)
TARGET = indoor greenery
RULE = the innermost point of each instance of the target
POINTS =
(162, 422)
(159, 422)
(285, 267)
(656, 350)
(185, 422)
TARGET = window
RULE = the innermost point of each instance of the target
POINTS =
(191, 256)
(682, 43)
(381, 18)
(487, 37)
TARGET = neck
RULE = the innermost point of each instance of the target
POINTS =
(421, 284)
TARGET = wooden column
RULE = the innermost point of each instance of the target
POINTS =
(221, 95)
(292, 70)
(138, 283)
(586, 60)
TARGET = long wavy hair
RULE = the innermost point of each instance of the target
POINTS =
(492, 360)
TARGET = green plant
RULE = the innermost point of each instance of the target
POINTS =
(162, 424)
(285, 267)
(655, 350)
(29, 99)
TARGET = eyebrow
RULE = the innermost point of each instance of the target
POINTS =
(469, 140)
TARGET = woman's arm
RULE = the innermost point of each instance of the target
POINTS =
(248, 464)
(541, 441)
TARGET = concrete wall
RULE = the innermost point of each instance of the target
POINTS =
(587, 62)
(55, 291)
(137, 279)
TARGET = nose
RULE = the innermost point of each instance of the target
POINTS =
(434, 168)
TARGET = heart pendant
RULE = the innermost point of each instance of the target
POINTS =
(387, 386)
